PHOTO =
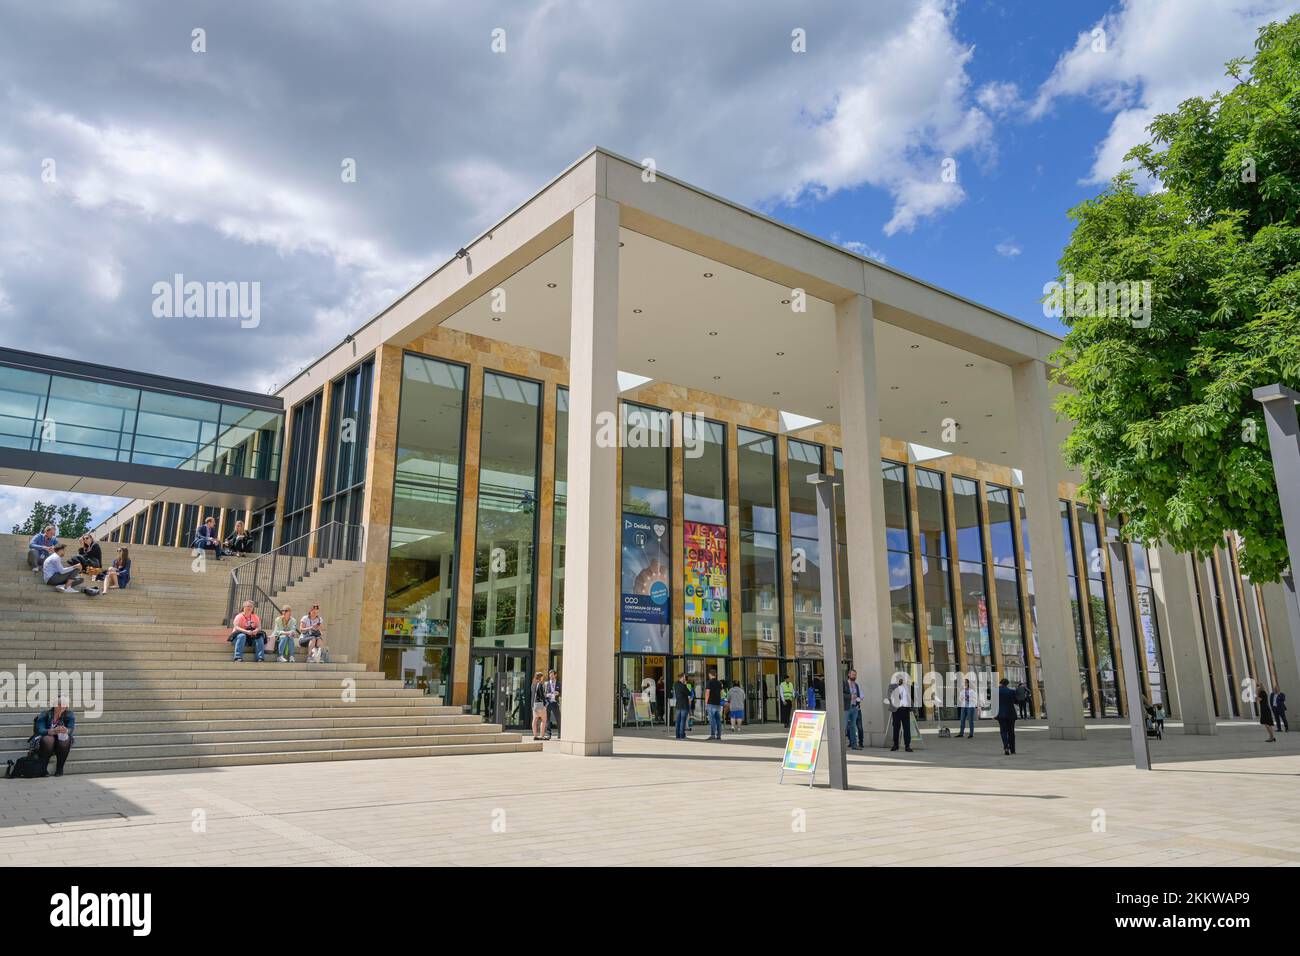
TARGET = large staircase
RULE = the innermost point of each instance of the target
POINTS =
(174, 699)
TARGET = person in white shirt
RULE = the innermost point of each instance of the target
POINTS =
(311, 634)
(63, 577)
(967, 701)
(900, 701)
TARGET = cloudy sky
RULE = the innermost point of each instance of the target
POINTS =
(126, 156)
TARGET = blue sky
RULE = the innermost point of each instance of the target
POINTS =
(223, 164)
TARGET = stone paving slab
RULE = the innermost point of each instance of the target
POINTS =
(1218, 801)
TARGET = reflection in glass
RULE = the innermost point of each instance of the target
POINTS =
(970, 568)
(502, 615)
(760, 573)
(560, 516)
(936, 583)
(802, 460)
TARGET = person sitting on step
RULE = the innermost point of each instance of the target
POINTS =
(118, 574)
(240, 541)
(62, 577)
(311, 630)
(88, 556)
(284, 634)
(205, 538)
(53, 735)
(248, 627)
(38, 549)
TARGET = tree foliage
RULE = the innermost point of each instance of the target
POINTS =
(70, 520)
(1167, 432)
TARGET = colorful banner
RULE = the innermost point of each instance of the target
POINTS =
(803, 746)
(414, 627)
(646, 607)
(706, 593)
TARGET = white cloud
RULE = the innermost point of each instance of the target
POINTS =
(862, 249)
(1008, 248)
(1156, 54)
(998, 97)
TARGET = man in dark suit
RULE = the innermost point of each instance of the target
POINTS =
(1277, 700)
(1007, 716)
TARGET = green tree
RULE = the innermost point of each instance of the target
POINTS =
(70, 520)
(1167, 432)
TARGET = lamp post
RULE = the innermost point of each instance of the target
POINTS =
(829, 554)
(1128, 641)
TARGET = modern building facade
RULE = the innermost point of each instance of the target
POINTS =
(584, 443)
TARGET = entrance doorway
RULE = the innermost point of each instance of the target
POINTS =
(697, 678)
(762, 682)
(810, 671)
(643, 686)
(498, 687)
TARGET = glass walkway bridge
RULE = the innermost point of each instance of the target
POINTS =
(92, 429)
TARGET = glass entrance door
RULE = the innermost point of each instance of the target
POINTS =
(697, 678)
(498, 687)
(762, 689)
(643, 686)
(809, 671)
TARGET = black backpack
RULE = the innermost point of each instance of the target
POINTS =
(23, 767)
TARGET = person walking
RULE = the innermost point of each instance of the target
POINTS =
(1022, 699)
(736, 705)
(1266, 718)
(682, 703)
(966, 702)
(537, 693)
(713, 705)
(1007, 716)
(900, 702)
(853, 709)
(1277, 700)
(552, 705)
(786, 692)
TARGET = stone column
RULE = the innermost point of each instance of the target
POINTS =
(864, 511)
(592, 531)
(1038, 455)
(1283, 619)
(1174, 585)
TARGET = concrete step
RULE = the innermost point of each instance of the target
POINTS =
(140, 745)
(382, 710)
(151, 723)
(192, 762)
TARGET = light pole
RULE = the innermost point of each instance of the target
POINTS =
(1284, 444)
(1126, 639)
(829, 555)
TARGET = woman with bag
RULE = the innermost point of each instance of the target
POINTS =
(53, 737)
(538, 695)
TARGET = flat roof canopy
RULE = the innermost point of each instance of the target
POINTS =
(690, 320)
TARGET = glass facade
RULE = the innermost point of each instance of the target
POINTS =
(304, 438)
(347, 438)
(420, 595)
(645, 599)
(1029, 596)
(1006, 584)
(760, 565)
(970, 573)
(898, 554)
(804, 459)
(936, 580)
(1148, 627)
(506, 537)
(84, 418)
(1099, 608)
(1072, 582)
(706, 561)
(560, 520)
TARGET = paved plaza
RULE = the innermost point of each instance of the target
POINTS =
(1225, 800)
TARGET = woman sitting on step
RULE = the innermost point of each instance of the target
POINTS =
(284, 635)
(312, 631)
(118, 574)
(53, 737)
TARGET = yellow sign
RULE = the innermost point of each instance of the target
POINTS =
(803, 746)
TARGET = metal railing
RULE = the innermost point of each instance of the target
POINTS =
(261, 578)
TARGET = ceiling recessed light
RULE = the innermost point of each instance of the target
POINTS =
(713, 333)
(1004, 453)
(785, 301)
(649, 360)
(916, 346)
(829, 407)
(776, 393)
(708, 275)
(965, 442)
(716, 377)
(636, 311)
(550, 285)
(924, 432)
(780, 353)
(943, 401)
(496, 318)
(893, 388)
(988, 414)
(970, 364)
(620, 245)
